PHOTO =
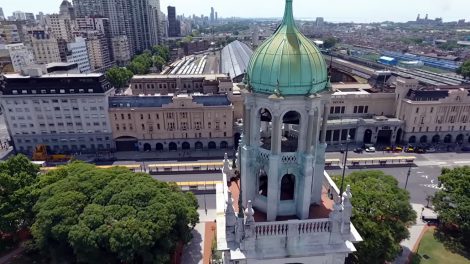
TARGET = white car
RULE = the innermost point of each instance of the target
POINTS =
(370, 149)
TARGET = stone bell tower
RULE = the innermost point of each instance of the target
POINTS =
(282, 159)
(284, 212)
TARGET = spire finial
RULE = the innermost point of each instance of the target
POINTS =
(288, 19)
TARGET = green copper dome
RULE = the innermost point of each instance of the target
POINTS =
(288, 63)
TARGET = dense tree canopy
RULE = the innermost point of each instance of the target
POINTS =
(110, 216)
(464, 70)
(452, 203)
(330, 43)
(381, 214)
(17, 177)
(119, 76)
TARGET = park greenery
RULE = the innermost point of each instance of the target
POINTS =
(17, 179)
(452, 204)
(141, 64)
(79, 213)
(330, 43)
(381, 214)
(464, 69)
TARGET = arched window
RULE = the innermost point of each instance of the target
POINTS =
(287, 187)
(262, 183)
(159, 147)
(147, 147)
(290, 132)
(223, 145)
(185, 146)
(436, 139)
(173, 146)
(448, 139)
(265, 128)
(412, 140)
(212, 145)
(423, 139)
(198, 145)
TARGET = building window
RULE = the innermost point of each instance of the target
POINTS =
(417, 110)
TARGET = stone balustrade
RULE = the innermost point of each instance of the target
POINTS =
(291, 228)
(286, 157)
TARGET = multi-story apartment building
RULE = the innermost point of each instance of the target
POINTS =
(45, 47)
(172, 84)
(90, 8)
(65, 112)
(77, 53)
(98, 52)
(21, 56)
(171, 123)
(60, 26)
(121, 50)
(433, 115)
(9, 34)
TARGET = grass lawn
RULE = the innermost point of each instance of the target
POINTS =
(431, 251)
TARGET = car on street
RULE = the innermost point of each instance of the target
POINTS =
(397, 149)
(388, 149)
(466, 149)
(410, 149)
(430, 150)
(358, 150)
(370, 149)
(420, 150)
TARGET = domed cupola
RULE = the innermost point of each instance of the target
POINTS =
(288, 63)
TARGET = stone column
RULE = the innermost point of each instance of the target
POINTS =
(247, 124)
(254, 128)
(274, 163)
(303, 135)
(312, 132)
(276, 135)
(324, 123)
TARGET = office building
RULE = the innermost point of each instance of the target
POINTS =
(88, 8)
(45, 47)
(66, 112)
(21, 56)
(2, 15)
(60, 26)
(19, 15)
(212, 16)
(67, 10)
(145, 23)
(9, 34)
(77, 53)
(174, 27)
(98, 52)
(121, 50)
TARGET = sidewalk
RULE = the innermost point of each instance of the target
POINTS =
(415, 236)
(193, 253)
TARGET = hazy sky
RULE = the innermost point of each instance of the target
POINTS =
(331, 10)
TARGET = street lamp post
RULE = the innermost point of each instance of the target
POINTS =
(407, 177)
(344, 166)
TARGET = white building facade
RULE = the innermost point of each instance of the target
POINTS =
(66, 112)
(21, 56)
(77, 53)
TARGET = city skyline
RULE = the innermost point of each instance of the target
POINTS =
(450, 10)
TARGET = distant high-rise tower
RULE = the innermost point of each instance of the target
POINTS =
(212, 15)
(90, 8)
(66, 10)
(174, 28)
(2, 15)
(216, 17)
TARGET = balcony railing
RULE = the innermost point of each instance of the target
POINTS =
(292, 228)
